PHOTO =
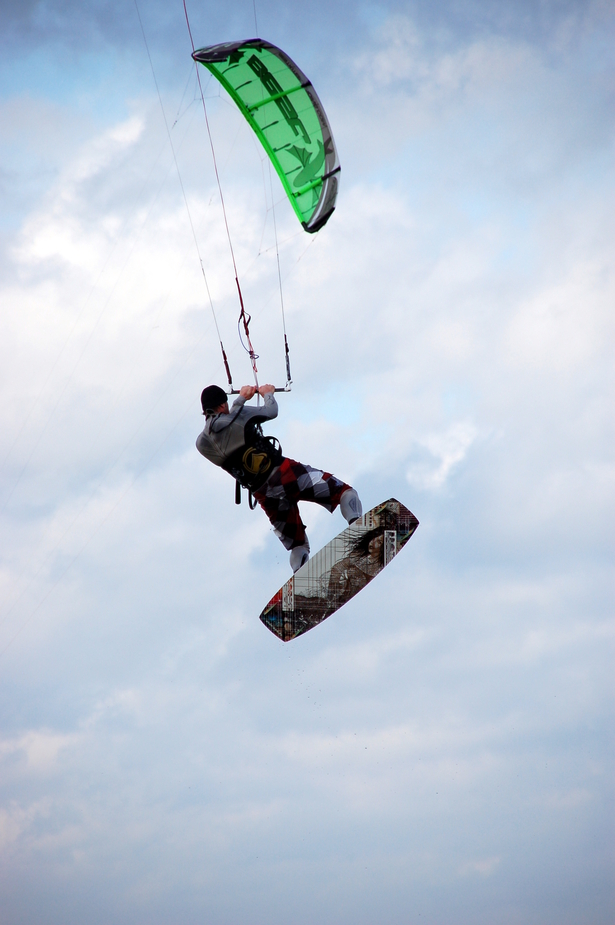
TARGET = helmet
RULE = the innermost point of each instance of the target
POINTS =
(212, 397)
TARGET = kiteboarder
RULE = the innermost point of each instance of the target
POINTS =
(234, 440)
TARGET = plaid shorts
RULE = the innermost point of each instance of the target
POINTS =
(290, 483)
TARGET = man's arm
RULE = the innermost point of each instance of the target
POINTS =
(266, 412)
(269, 409)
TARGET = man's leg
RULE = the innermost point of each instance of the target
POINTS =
(292, 482)
(328, 491)
(283, 513)
(350, 505)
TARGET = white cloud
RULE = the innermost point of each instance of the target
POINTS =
(449, 335)
(15, 821)
(39, 747)
(564, 326)
(485, 867)
(448, 451)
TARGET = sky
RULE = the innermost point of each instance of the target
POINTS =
(440, 750)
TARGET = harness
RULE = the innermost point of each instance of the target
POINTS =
(252, 464)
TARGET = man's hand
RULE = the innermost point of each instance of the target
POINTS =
(248, 392)
(266, 388)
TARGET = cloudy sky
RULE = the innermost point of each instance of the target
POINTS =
(439, 751)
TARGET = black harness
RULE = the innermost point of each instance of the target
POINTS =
(252, 464)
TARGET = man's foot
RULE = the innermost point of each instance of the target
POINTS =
(299, 556)
(350, 506)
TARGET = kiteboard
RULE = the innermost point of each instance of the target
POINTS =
(339, 570)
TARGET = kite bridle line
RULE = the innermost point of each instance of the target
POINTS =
(289, 378)
(179, 177)
(244, 318)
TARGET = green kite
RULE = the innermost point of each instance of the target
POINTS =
(283, 109)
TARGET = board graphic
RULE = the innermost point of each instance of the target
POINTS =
(339, 570)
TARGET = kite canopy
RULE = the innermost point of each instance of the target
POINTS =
(283, 108)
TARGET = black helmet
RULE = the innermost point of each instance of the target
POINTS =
(212, 397)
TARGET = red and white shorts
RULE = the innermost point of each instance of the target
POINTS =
(290, 483)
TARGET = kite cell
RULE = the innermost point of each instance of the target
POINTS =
(283, 109)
